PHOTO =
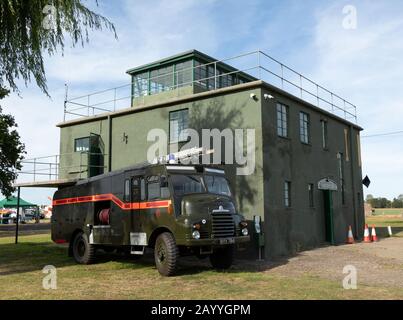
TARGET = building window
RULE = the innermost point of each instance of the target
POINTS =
(140, 84)
(287, 194)
(161, 80)
(178, 125)
(310, 192)
(304, 127)
(282, 120)
(324, 135)
(82, 144)
(340, 159)
(183, 73)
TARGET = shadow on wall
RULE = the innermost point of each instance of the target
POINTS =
(217, 116)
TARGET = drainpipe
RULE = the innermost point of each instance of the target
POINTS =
(109, 143)
(352, 160)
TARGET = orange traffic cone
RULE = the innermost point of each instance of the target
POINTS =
(373, 234)
(366, 234)
(350, 238)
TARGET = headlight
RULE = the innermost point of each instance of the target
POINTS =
(196, 234)
(245, 231)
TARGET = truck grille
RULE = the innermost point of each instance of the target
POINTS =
(222, 225)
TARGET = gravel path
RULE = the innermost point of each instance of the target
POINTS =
(379, 263)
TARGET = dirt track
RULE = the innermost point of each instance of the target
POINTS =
(378, 263)
(7, 230)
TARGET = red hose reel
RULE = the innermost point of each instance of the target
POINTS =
(103, 216)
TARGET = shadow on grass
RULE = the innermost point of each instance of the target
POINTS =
(33, 256)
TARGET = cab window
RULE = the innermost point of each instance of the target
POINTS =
(217, 185)
(153, 188)
(136, 189)
(127, 190)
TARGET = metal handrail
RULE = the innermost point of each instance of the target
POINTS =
(39, 166)
(257, 64)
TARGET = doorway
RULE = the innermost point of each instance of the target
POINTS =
(328, 211)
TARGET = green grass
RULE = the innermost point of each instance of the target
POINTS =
(388, 211)
(384, 221)
(118, 278)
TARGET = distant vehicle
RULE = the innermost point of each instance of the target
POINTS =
(176, 209)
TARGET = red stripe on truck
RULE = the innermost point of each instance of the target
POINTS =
(114, 199)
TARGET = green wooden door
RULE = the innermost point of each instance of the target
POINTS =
(328, 201)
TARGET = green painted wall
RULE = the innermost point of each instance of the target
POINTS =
(301, 226)
(70, 160)
(129, 137)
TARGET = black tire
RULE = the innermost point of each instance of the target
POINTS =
(166, 254)
(222, 258)
(83, 251)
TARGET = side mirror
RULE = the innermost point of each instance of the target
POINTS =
(256, 220)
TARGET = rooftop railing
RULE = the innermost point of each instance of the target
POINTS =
(257, 64)
(49, 168)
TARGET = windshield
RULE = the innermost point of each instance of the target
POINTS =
(217, 184)
(184, 184)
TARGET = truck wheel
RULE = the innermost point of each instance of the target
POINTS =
(222, 258)
(83, 251)
(166, 254)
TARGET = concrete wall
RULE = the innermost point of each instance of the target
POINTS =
(129, 137)
(301, 226)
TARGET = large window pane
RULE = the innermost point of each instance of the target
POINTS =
(178, 125)
(282, 120)
(184, 73)
(82, 144)
(304, 127)
(140, 84)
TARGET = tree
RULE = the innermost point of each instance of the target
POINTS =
(369, 198)
(397, 203)
(31, 28)
(11, 150)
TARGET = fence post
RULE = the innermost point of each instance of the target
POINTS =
(114, 101)
(282, 76)
(18, 214)
(258, 65)
(215, 75)
(300, 84)
(34, 169)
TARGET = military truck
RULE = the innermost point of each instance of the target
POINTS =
(175, 209)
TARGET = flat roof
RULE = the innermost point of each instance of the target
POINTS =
(201, 95)
(47, 184)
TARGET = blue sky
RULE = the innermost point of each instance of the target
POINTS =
(363, 65)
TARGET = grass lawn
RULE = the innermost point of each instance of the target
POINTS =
(388, 211)
(385, 220)
(123, 278)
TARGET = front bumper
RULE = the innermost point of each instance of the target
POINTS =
(216, 242)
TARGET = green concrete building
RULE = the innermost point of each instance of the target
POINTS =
(307, 181)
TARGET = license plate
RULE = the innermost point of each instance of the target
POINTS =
(227, 241)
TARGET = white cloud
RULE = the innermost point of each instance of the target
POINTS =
(364, 65)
